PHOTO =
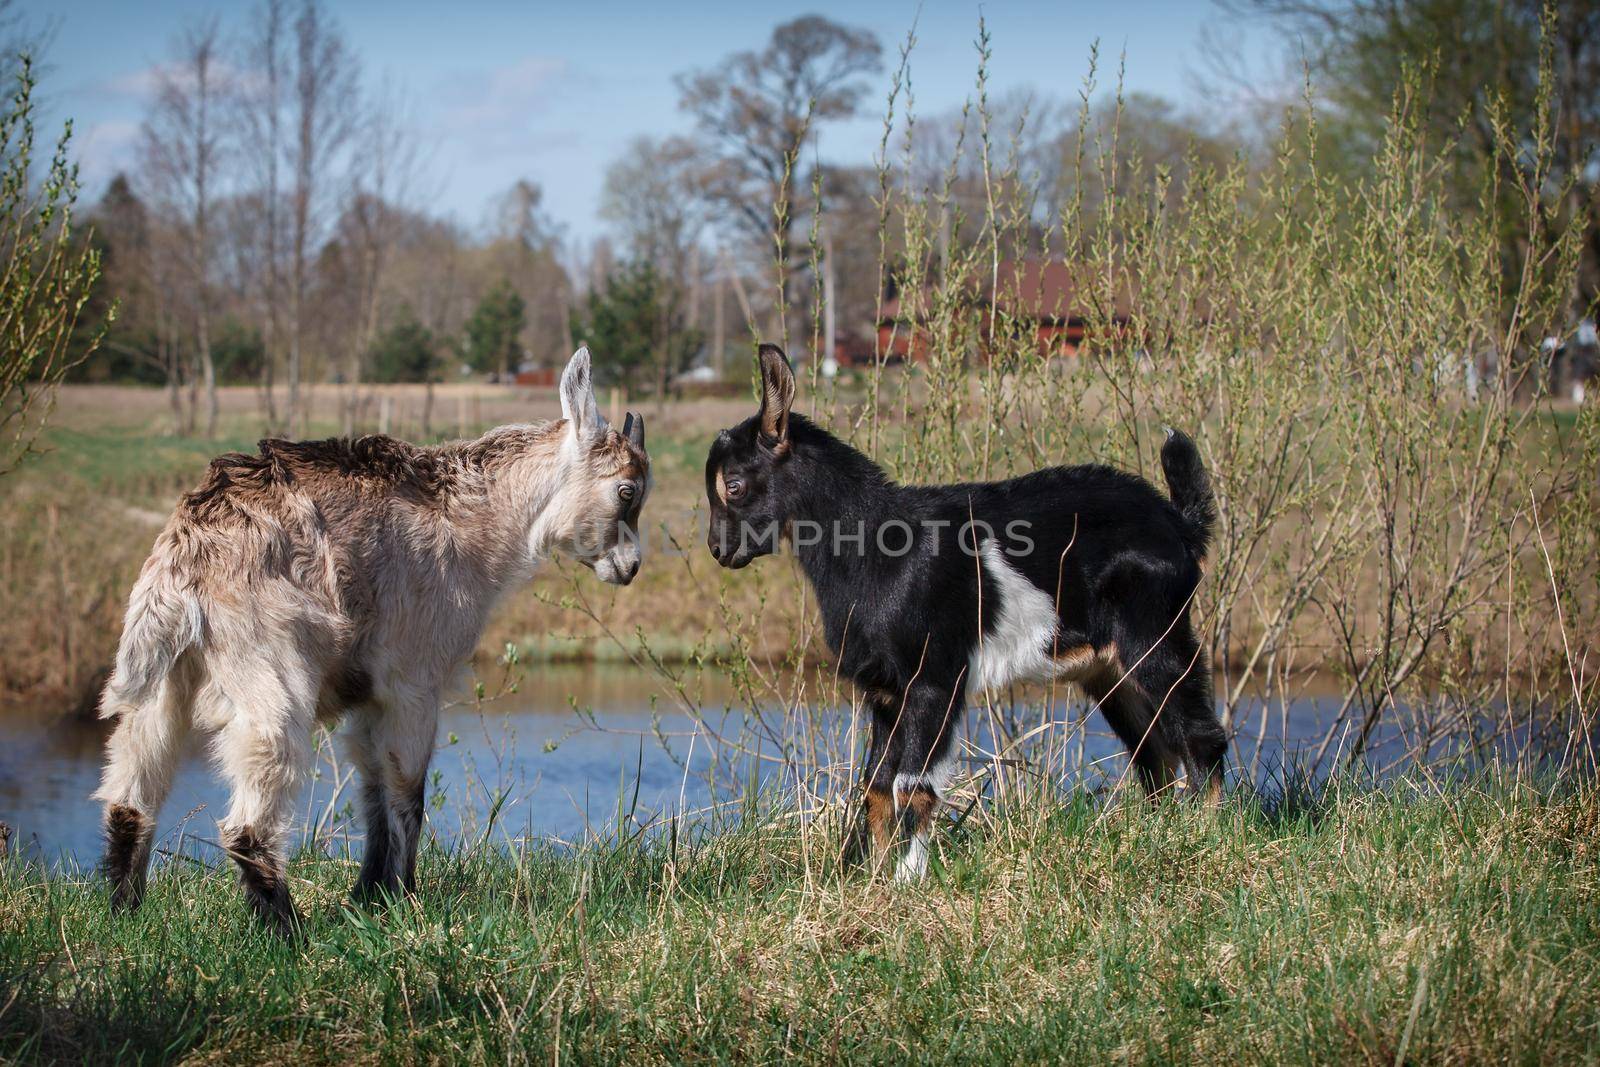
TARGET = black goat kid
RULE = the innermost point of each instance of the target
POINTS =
(931, 592)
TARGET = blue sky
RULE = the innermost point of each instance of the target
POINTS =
(554, 92)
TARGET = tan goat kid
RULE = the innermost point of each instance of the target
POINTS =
(343, 579)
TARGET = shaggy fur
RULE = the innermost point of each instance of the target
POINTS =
(343, 579)
(929, 593)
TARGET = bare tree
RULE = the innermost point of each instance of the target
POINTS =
(652, 195)
(182, 149)
(755, 111)
(297, 113)
(23, 39)
(384, 176)
(322, 109)
(260, 115)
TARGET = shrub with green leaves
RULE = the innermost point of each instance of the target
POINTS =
(47, 275)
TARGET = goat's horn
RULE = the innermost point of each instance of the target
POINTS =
(633, 430)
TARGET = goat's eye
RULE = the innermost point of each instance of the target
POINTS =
(626, 490)
(735, 488)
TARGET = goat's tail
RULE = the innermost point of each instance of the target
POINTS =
(1190, 488)
(148, 694)
(163, 620)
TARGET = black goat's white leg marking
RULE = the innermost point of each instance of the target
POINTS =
(1018, 643)
(922, 780)
(917, 799)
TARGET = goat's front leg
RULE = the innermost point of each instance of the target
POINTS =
(873, 830)
(922, 778)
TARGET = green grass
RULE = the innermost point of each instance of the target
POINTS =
(110, 459)
(1451, 925)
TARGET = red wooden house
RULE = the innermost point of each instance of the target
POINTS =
(1038, 295)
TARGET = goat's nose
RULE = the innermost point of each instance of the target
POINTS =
(633, 569)
(716, 552)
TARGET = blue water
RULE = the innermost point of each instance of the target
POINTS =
(577, 749)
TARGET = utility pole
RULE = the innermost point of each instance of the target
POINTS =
(830, 323)
(719, 328)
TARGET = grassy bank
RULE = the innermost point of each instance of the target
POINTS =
(1460, 925)
(78, 520)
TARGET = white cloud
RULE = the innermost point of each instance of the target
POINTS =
(500, 111)
(140, 86)
(101, 150)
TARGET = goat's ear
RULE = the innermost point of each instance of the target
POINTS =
(577, 397)
(777, 392)
(633, 430)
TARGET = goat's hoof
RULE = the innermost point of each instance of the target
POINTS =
(126, 898)
(375, 895)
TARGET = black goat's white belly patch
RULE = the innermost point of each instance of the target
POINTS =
(1021, 645)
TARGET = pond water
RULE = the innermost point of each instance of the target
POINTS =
(567, 754)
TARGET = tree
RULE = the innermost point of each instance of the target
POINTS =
(492, 342)
(652, 195)
(258, 220)
(130, 313)
(298, 115)
(47, 276)
(633, 326)
(384, 176)
(182, 149)
(239, 352)
(23, 42)
(1471, 57)
(523, 253)
(754, 112)
(405, 352)
(323, 103)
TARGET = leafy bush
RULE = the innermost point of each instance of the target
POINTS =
(47, 278)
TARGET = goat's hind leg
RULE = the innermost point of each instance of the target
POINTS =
(264, 749)
(1175, 680)
(1205, 742)
(141, 757)
(374, 876)
(393, 744)
(1141, 728)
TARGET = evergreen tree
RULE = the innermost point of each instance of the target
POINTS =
(405, 352)
(493, 332)
(636, 328)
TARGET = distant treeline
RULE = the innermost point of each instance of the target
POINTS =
(273, 226)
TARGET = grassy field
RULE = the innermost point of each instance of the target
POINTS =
(77, 521)
(1410, 924)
